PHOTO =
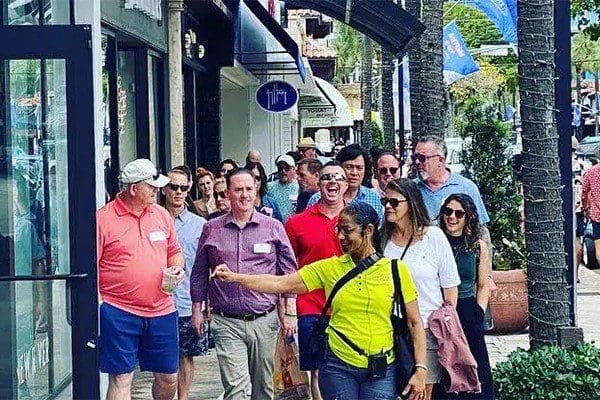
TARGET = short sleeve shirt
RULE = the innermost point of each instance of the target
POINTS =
(313, 238)
(456, 183)
(362, 308)
(189, 228)
(132, 251)
(591, 191)
(432, 266)
(286, 197)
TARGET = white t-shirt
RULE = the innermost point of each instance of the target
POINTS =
(432, 266)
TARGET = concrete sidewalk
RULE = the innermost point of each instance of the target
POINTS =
(207, 384)
(588, 301)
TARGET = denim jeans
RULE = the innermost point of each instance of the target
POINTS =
(341, 381)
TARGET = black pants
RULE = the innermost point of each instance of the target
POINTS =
(471, 318)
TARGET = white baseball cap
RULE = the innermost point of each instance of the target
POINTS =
(284, 158)
(143, 170)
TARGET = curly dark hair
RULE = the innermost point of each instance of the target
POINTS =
(472, 230)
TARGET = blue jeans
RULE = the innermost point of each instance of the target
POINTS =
(341, 381)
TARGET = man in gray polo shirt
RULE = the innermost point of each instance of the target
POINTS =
(189, 228)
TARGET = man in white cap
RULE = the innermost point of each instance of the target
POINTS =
(285, 190)
(307, 147)
(137, 245)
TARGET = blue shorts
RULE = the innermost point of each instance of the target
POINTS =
(126, 338)
(595, 230)
(306, 324)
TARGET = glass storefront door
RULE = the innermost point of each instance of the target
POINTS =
(48, 295)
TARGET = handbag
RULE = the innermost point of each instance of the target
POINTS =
(317, 343)
(403, 345)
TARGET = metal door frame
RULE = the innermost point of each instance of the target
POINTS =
(73, 44)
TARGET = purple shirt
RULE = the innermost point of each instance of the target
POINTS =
(261, 247)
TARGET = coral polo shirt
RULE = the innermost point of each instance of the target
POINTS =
(132, 251)
(313, 238)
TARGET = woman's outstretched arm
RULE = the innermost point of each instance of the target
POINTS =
(266, 283)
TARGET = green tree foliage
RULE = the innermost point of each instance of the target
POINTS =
(348, 45)
(377, 134)
(585, 53)
(486, 163)
(579, 9)
(475, 27)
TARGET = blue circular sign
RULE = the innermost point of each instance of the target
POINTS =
(276, 96)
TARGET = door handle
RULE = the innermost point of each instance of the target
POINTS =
(56, 277)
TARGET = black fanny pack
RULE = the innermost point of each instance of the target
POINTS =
(318, 339)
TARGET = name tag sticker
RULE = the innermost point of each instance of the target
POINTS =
(157, 236)
(262, 248)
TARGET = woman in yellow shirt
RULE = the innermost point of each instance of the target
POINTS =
(360, 311)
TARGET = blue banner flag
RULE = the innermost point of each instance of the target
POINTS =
(502, 13)
(458, 61)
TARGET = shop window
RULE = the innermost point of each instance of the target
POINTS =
(126, 107)
(37, 12)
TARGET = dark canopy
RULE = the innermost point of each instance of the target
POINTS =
(384, 21)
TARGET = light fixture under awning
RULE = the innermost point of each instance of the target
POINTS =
(290, 46)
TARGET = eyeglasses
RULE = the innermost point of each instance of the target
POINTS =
(174, 187)
(332, 177)
(422, 157)
(220, 194)
(153, 177)
(447, 211)
(383, 171)
(344, 230)
(257, 177)
(285, 168)
(394, 203)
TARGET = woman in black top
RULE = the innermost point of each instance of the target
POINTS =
(460, 223)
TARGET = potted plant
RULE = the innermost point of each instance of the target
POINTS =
(487, 162)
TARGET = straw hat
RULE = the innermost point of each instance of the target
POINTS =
(306, 143)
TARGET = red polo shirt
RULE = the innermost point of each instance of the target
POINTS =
(591, 191)
(132, 251)
(313, 238)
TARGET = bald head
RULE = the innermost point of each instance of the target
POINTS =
(253, 156)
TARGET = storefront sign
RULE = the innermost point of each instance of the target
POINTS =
(276, 96)
(316, 112)
(152, 8)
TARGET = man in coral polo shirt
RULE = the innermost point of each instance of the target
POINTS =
(313, 238)
(136, 240)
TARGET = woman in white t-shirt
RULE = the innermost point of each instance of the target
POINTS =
(429, 258)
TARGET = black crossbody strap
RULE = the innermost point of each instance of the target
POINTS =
(398, 295)
(363, 265)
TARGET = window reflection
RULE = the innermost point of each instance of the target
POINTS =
(29, 12)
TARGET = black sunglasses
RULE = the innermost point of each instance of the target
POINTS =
(332, 177)
(174, 187)
(422, 157)
(394, 203)
(447, 211)
(220, 194)
(283, 167)
(383, 171)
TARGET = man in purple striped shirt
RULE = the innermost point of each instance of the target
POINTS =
(244, 325)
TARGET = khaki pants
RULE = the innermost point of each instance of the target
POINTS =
(245, 351)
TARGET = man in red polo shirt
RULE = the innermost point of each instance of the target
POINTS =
(312, 235)
(136, 240)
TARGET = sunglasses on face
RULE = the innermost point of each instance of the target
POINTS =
(332, 177)
(284, 168)
(394, 203)
(220, 194)
(174, 187)
(383, 171)
(447, 211)
(344, 230)
(257, 177)
(422, 157)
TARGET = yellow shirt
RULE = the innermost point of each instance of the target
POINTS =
(362, 308)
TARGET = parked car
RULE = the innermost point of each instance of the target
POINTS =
(589, 250)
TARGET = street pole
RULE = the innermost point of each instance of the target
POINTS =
(401, 142)
(562, 40)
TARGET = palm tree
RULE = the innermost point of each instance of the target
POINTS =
(546, 264)
(428, 102)
(367, 91)
(387, 99)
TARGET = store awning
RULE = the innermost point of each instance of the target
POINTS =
(384, 21)
(278, 33)
(341, 115)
